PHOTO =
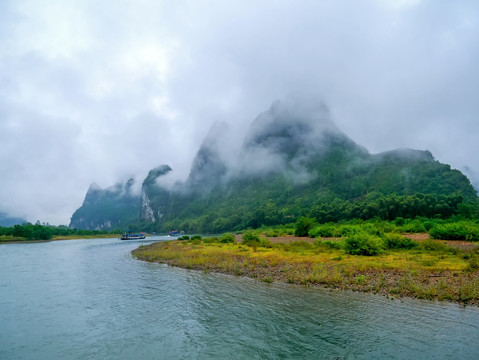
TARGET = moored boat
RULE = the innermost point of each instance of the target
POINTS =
(132, 236)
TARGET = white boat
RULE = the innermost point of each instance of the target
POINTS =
(131, 236)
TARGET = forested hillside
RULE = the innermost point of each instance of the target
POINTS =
(293, 162)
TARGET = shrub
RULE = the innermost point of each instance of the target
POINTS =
(461, 230)
(428, 225)
(196, 237)
(325, 230)
(227, 238)
(396, 241)
(250, 239)
(265, 243)
(303, 225)
(473, 263)
(431, 245)
(387, 227)
(371, 229)
(331, 244)
(184, 237)
(363, 244)
(413, 226)
(348, 230)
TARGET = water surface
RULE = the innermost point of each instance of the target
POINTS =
(89, 299)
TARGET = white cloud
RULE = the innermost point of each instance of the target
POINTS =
(97, 90)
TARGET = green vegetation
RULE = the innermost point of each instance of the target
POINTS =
(326, 179)
(227, 238)
(278, 202)
(304, 225)
(461, 230)
(366, 255)
(389, 264)
(454, 228)
(28, 232)
(363, 244)
(116, 207)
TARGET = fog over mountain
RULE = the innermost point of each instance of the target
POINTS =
(105, 91)
(293, 161)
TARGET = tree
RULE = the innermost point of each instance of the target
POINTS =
(303, 225)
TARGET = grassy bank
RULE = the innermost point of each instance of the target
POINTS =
(430, 270)
(99, 236)
(18, 239)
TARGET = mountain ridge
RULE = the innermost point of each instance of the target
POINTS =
(292, 159)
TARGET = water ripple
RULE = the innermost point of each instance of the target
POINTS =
(90, 299)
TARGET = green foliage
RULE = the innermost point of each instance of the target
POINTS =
(462, 230)
(227, 238)
(473, 263)
(373, 227)
(184, 237)
(413, 226)
(389, 207)
(430, 245)
(363, 244)
(42, 232)
(303, 225)
(263, 242)
(330, 244)
(396, 241)
(111, 208)
(344, 182)
(29, 231)
(326, 230)
(250, 239)
(196, 237)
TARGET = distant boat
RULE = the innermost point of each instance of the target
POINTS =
(174, 233)
(131, 236)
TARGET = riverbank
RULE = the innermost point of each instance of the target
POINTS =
(20, 240)
(437, 272)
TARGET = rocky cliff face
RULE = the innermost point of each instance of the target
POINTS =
(105, 209)
(154, 197)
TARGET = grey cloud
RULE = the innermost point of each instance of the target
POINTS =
(100, 91)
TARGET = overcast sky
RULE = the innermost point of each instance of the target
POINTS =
(95, 91)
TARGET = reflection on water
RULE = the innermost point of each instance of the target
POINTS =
(90, 299)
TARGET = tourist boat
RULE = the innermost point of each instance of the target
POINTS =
(174, 233)
(131, 236)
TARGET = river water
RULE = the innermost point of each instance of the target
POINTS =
(88, 299)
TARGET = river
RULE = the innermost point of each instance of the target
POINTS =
(88, 299)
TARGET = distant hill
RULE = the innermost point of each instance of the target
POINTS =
(7, 221)
(115, 207)
(293, 160)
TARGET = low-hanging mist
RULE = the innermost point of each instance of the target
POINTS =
(292, 161)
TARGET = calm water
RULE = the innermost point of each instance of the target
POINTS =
(89, 299)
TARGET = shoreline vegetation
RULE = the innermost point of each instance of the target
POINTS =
(19, 240)
(45, 232)
(366, 257)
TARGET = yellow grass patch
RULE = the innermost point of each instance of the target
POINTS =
(417, 273)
